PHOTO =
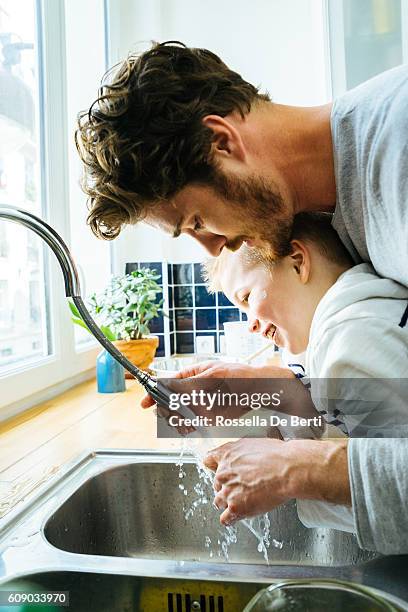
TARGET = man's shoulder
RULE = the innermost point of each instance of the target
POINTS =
(370, 117)
(369, 126)
(384, 88)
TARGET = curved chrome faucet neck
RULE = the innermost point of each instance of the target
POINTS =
(72, 285)
(54, 241)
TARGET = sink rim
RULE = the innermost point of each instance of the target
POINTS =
(389, 597)
(38, 555)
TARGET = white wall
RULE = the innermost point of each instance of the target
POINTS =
(276, 44)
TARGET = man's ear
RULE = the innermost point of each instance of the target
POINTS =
(300, 260)
(227, 141)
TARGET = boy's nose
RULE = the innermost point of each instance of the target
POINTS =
(254, 326)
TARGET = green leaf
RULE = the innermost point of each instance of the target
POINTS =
(108, 333)
(128, 303)
(74, 310)
(80, 323)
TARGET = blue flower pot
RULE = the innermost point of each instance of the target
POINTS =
(110, 375)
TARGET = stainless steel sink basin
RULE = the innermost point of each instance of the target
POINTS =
(139, 510)
(114, 522)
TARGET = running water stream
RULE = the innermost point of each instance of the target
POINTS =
(259, 526)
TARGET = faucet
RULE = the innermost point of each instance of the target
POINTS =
(72, 290)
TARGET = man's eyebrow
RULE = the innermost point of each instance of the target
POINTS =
(177, 229)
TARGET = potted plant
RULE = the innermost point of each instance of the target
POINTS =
(124, 311)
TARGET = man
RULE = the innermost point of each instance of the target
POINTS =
(180, 141)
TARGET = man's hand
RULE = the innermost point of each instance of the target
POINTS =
(254, 476)
(220, 369)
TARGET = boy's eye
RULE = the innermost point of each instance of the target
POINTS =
(245, 298)
(197, 224)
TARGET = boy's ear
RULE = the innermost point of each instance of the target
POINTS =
(300, 260)
(227, 141)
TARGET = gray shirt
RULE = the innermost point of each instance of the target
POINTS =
(370, 138)
(370, 141)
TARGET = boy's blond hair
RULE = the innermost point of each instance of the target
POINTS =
(315, 228)
(211, 268)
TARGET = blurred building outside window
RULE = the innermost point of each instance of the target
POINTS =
(23, 306)
(48, 72)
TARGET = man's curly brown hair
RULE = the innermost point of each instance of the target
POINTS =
(143, 139)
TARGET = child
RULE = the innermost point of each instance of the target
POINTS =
(351, 323)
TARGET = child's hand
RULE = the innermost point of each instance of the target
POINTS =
(188, 372)
(222, 369)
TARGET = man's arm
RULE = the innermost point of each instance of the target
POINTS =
(255, 476)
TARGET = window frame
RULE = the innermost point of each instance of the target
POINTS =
(337, 47)
(68, 364)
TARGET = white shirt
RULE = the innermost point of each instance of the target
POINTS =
(356, 357)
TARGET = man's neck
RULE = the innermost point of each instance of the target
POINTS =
(298, 141)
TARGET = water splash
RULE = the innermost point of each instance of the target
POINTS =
(259, 526)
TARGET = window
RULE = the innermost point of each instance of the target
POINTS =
(48, 72)
(5, 313)
(366, 38)
(4, 245)
(373, 38)
(20, 155)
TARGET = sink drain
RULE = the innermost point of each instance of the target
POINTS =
(185, 603)
(172, 595)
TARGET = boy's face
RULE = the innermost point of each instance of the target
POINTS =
(274, 300)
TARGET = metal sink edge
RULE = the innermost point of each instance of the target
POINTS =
(31, 553)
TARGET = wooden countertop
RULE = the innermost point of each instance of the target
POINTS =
(35, 444)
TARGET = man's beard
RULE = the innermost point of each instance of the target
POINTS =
(261, 209)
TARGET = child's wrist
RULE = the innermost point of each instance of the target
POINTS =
(273, 371)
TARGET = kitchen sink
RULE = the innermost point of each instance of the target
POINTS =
(140, 509)
(127, 525)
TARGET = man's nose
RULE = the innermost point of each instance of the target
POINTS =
(254, 326)
(213, 243)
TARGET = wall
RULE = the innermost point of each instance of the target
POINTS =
(279, 45)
